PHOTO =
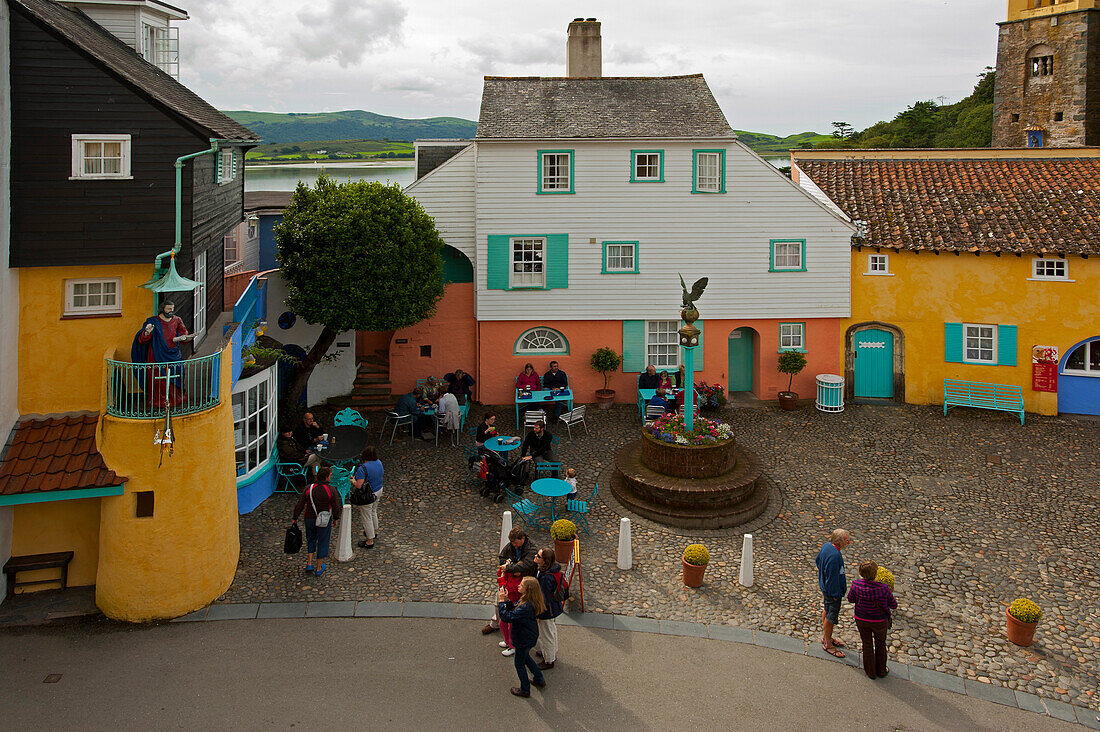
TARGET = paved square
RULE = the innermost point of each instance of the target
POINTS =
(969, 512)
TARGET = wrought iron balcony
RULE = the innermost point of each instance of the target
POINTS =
(137, 390)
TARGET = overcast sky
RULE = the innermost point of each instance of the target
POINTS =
(781, 67)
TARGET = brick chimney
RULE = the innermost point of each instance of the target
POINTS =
(583, 55)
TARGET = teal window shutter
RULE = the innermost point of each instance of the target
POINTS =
(1006, 345)
(497, 262)
(557, 261)
(633, 346)
(953, 342)
(233, 172)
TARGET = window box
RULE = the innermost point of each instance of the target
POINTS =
(788, 255)
(101, 157)
(555, 171)
(708, 171)
(620, 257)
(98, 296)
(647, 166)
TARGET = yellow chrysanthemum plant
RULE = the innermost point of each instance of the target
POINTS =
(697, 555)
(886, 577)
(1025, 610)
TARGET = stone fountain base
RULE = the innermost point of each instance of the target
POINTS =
(692, 487)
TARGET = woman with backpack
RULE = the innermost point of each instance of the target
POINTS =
(369, 472)
(553, 594)
(525, 631)
(322, 507)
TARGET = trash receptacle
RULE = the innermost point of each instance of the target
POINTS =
(830, 393)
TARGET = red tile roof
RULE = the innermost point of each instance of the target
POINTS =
(968, 205)
(54, 454)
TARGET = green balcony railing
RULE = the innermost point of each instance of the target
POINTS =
(137, 390)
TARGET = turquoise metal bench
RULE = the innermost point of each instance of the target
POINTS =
(1002, 397)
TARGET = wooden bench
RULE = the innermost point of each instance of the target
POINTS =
(33, 562)
(1002, 397)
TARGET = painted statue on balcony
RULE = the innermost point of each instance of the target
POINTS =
(158, 342)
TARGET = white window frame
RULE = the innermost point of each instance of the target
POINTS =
(523, 345)
(226, 165)
(878, 265)
(992, 361)
(792, 337)
(80, 140)
(656, 166)
(71, 308)
(709, 183)
(559, 182)
(199, 298)
(255, 422)
(527, 279)
(800, 266)
(662, 346)
(1039, 263)
(1088, 347)
(632, 246)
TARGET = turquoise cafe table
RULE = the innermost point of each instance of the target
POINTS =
(552, 488)
(539, 398)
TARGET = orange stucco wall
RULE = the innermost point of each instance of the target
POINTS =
(452, 334)
(498, 365)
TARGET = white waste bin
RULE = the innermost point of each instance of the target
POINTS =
(830, 393)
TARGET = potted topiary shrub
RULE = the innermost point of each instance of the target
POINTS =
(563, 532)
(605, 360)
(696, 558)
(790, 363)
(1023, 615)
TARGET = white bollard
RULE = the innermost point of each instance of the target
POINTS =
(343, 543)
(505, 528)
(746, 561)
(626, 553)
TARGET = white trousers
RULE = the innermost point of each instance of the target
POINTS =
(369, 515)
(547, 644)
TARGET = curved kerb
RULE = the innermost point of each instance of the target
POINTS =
(715, 631)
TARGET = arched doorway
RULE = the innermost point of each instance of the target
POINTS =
(1079, 378)
(874, 361)
(742, 359)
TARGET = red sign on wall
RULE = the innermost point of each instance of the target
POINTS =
(1044, 368)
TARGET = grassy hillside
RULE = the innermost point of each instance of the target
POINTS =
(771, 145)
(350, 125)
(285, 152)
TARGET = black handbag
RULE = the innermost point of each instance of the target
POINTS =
(363, 495)
(293, 542)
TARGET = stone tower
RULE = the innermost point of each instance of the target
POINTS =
(1048, 75)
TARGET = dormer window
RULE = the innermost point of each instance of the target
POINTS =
(160, 46)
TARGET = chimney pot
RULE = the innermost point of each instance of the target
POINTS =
(583, 49)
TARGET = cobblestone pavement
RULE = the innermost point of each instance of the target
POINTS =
(968, 511)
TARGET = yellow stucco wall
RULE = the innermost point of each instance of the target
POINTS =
(185, 556)
(58, 526)
(61, 360)
(928, 290)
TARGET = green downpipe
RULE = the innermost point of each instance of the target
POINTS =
(213, 149)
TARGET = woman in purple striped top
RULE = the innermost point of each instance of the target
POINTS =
(873, 601)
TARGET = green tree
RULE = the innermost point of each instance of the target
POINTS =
(356, 256)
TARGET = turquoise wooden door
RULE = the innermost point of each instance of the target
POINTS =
(741, 360)
(874, 363)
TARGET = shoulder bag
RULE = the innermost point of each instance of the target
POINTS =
(363, 495)
(323, 517)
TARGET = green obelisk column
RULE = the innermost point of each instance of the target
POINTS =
(689, 341)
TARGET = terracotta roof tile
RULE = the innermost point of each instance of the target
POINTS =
(52, 454)
(1049, 205)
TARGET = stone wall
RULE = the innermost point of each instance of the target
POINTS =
(1073, 90)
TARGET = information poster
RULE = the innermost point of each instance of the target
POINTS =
(1044, 368)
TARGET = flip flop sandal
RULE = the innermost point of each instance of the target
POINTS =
(833, 651)
(839, 643)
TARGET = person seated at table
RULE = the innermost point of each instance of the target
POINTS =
(664, 381)
(571, 479)
(431, 390)
(448, 412)
(486, 430)
(649, 379)
(461, 384)
(680, 377)
(538, 446)
(291, 452)
(659, 400)
(308, 434)
(528, 379)
(555, 378)
(408, 405)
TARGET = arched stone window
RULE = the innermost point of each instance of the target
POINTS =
(1040, 62)
(541, 340)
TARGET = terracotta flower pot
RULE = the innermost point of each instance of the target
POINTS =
(788, 400)
(693, 574)
(1019, 632)
(562, 551)
(605, 398)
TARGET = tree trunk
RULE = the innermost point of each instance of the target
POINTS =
(305, 368)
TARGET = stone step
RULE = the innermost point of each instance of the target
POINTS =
(370, 389)
(370, 401)
(378, 379)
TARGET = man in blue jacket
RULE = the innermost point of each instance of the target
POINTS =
(833, 584)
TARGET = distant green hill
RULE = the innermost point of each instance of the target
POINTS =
(765, 144)
(350, 125)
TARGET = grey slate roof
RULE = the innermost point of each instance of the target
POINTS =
(88, 36)
(533, 107)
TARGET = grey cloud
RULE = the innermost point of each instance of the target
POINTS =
(523, 49)
(345, 30)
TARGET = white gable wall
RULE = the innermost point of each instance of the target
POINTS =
(120, 20)
(725, 237)
(447, 194)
